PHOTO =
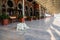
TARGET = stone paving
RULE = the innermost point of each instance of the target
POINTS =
(43, 29)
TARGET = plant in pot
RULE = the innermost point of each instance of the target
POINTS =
(30, 18)
(38, 17)
(34, 17)
(5, 19)
(21, 19)
(0, 19)
(42, 17)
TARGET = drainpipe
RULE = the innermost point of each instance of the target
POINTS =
(23, 9)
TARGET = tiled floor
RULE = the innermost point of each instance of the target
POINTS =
(43, 29)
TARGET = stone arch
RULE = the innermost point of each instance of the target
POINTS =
(10, 3)
(19, 4)
(19, 8)
(30, 0)
(26, 10)
(10, 7)
(3, 5)
(31, 11)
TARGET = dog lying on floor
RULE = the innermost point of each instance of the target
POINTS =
(22, 26)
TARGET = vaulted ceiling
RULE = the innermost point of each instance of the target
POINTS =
(53, 6)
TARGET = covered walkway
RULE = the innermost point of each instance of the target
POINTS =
(42, 26)
(43, 29)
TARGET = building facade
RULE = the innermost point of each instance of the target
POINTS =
(15, 8)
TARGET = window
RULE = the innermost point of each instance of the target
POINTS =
(3, 5)
(30, 11)
(10, 3)
(26, 7)
(30, 0)
(3, 10)
(26, 12)
(19, 6)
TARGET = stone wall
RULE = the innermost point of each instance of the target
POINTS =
(15, 8)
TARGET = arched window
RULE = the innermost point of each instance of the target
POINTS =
(30, 0)
(34, 2)
(3, 5)
(19, 6)
(19, 9)
(10, 3)
(26, 7)
(26, 12)
(10, 11)
(31, 12)
(3, 10)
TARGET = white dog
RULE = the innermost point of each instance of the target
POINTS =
(22, 26)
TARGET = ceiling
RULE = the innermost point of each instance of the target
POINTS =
(53, 6)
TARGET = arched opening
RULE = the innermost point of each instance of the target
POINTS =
(10, 10)
(20, 9)
(26, 11)
(34, 3)
(3, 5)
(10, 3)
(19, 6)
(30, 0)
(3, 9)
(26, 7)
(31, 12)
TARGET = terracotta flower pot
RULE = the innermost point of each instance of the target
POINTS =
(5, 21)
(30, 19)
(21, 20)
(34, 18)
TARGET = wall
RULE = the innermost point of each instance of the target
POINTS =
(15, 11)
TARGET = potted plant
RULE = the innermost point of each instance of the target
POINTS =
(38, 17)
(42, 17)
(21, 19)
(34, 17)
(5, 19)
(30, 18)
(0, 19)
